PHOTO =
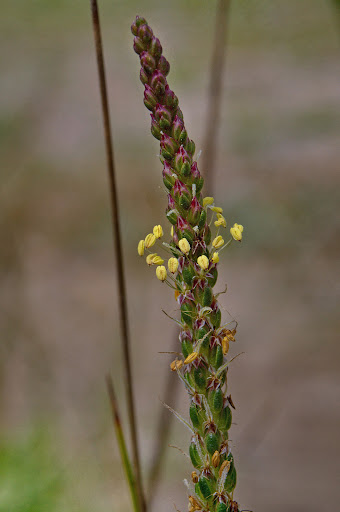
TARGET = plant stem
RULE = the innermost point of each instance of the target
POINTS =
(123, 315)
(121, 443)
(214, 95)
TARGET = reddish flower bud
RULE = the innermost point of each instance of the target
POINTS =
(182, 162)
(163, 116)
(170, 98)
(155, 48)
(150, 100)
(148, 62)
(163, 65)
(168, 147)
(137, 23)
(145, 33)
(138, 46)
(179, 132)
(158, 82)
(194, 211)
(155, 128)
(181, 194)
(171, 203)
(143, 76)
(168, 178)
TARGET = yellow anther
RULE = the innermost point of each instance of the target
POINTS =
(161, 273)
(193, 504)
(236, 232)
(177, 294)
(140, 248)
(208, 200)
(173, 265)
(150, 240)
(220, 221)
(191, 357)
(158, 231)
(223, 466)
(225, 345)
(184, 245)
(157, 260)
(150, 257)
(218, 242)
(203, 262)
(176, 365)
(215, 257)
(194, 477)
(217, 209)
(215, 459)
(172, 231)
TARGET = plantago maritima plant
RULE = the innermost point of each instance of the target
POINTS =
(192, 273)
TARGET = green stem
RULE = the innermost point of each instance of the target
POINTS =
(122, 445)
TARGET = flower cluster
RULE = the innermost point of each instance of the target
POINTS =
(192, 273)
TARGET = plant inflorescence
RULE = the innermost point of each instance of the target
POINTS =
(191, 271)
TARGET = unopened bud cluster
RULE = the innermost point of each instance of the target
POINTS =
(192, 273)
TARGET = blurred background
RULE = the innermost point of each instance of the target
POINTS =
(278, 175)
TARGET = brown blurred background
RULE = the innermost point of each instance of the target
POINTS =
(278, 175)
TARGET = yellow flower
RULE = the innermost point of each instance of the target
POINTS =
(203, 262)
(215, 257)
(220, 221)
(161, 273)
(236, 232)
(218, 242)
(191, 357)
(208, 200)
(150, 240)
(157, 260)
(173, 265)
(184, 245)
(150, 257)
(158, 231)
(216, 209)
(140, 248)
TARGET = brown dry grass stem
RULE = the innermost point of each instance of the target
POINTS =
(123, 315)
(209, 160)
(214, 94)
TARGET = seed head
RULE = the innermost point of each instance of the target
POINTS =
(140, 248)
(161, 273)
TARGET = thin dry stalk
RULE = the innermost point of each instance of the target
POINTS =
(122, 444)
(215, 93)
(214, 99)
(123, 315)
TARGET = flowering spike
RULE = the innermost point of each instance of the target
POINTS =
(204, 344)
